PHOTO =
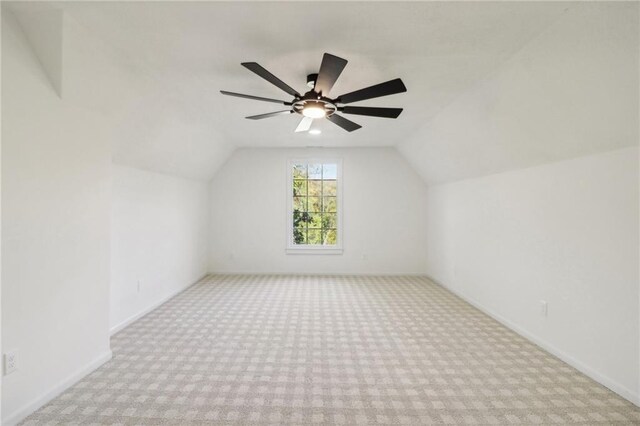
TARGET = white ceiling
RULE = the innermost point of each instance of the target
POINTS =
(155, 68)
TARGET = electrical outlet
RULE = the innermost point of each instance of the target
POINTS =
(543, 308)
(10, 362)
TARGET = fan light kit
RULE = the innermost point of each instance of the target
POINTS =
(313, 111)
(315, 104)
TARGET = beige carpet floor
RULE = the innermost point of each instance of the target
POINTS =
(329, 350)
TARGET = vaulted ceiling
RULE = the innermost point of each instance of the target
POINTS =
(154, 70)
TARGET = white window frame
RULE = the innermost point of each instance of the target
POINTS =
(307, 248)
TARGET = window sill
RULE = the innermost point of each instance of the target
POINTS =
(310, 250)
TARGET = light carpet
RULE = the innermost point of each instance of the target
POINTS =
(329, 350)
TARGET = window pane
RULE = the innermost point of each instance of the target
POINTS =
(315, 171)
(315, 188)
(330, 171)
(329, 187)
(315, 220)
(329, 205)
(315, 204)
(299, 187)
(330, 237)
(300, 204)
(314, 236)
(300, 226)
(299, 236)
(300, 171)
(329, 220)
(300, 219)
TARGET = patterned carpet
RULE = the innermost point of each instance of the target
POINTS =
(329, 350)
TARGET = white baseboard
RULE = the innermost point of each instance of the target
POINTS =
(604, 380)
(133, 318)
(22, 413)
(324, 274)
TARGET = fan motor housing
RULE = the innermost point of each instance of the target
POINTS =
(312, 99)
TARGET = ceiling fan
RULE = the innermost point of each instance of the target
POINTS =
(316, 104)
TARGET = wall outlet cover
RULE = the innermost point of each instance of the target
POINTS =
(10, 362)
(544, 308)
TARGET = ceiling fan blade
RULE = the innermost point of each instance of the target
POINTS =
(257, 98)
(390, 87)
(305, 124)
(269, 114)
(348, 125)
(372, 111)
(258, 69)
(330, 70)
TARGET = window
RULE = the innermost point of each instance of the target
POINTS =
(314, 213)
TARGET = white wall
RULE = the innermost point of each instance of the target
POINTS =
(0, 228)
(159, 239)
(566, 233)
(55, 232)
(384, 207)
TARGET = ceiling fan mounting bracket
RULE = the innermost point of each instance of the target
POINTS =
(311, 80)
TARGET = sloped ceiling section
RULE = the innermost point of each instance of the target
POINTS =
(154, 69)
(571, 91)
(155, 129)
